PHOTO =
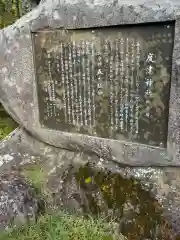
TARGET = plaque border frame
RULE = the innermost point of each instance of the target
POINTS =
(131, 153)
(33, 35)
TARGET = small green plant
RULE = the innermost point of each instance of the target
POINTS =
(36, 175)
(7, 125)
(64, 227)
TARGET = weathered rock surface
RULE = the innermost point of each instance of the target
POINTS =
(75, 179)
(19, 203)
(17, 72)
(91, 189)
(28, 5)
(18, 95)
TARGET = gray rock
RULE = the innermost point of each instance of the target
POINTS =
(19, 203)
(60, 167)
(18, 96)
(18, 92)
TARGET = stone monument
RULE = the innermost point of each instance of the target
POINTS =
(100, 77)
(97, 80)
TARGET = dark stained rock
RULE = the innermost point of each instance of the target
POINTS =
(19, 203)
(90, 190)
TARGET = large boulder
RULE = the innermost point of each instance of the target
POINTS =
(19, 97)
(18, 89)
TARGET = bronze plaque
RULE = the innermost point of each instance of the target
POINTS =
(107, 82)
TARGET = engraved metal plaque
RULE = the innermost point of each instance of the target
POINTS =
(108, 82)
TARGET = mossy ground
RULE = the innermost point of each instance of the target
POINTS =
(36, 174)
(7, 124)
(64, 227)
(116, 193)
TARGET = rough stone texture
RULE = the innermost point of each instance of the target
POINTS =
(18, 95)
(18, 201)
(27, 6)
(99, 190)
(161, 184)
(18, 87)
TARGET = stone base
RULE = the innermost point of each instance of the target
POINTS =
(158, 187)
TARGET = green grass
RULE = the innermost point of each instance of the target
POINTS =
(64, 227)
(7, 125)
(35, 174)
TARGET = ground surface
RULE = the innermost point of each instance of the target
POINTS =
(64, 227)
